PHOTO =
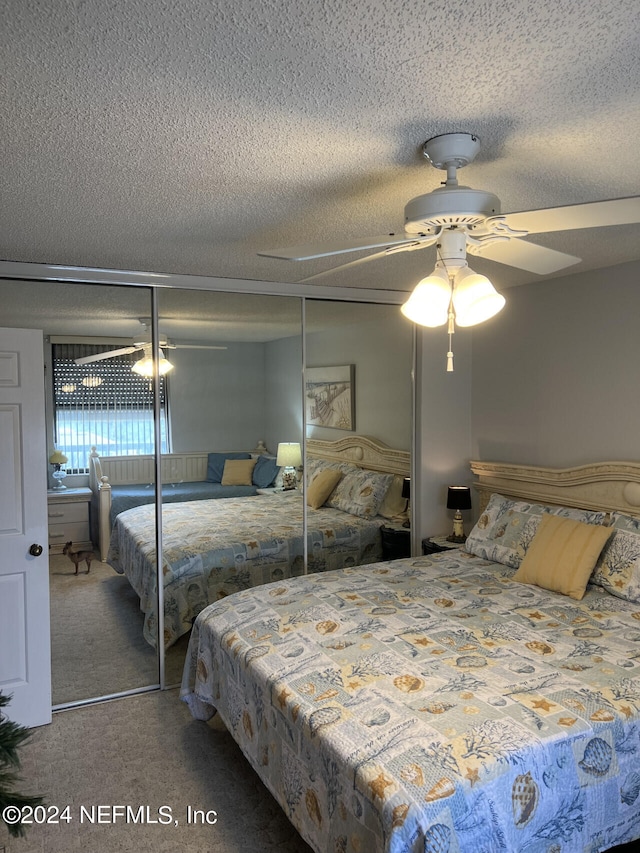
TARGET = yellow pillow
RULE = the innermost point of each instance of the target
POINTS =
(238, 472)
(562, 555)
(321, 487)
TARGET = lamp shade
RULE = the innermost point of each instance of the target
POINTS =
(406, 488)
(144, 366)
(474, 298)
(289, 455)
(58, 458)
(458, 497)
(428, 305)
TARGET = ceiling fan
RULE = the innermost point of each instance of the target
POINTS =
(144, 344)
(460, 220)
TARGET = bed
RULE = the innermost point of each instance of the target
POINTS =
(212, 548)
(119, 483)
(442, 703)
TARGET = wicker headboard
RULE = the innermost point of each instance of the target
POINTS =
(607, 486)
(364, 451)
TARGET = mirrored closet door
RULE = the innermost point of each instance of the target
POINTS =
(234, 385)
(97, 643)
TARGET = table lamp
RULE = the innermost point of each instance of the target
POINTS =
(58, 459)
(458, 498)
(289, 458)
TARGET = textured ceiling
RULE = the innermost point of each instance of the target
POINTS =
(184, 136)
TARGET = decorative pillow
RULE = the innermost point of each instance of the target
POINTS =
(238, 472)
(562, 555)
(360, 492)
(312, 466)
(215, 464)
(265, 471)
(321, 487)
(505, 529)
(618, 567)
(394, 505)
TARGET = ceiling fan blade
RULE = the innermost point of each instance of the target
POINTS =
(341, 267)
(87, 359)
(193, 346)
(419, 243)
(517, 252)
(595, 214)
(338, 247)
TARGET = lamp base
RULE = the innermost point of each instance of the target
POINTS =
(458, 529)
(289, 480)
(59, 475)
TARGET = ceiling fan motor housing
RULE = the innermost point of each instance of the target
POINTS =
(449, 207)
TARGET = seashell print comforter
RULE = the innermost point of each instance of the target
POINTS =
(431, 705)
(211, 548)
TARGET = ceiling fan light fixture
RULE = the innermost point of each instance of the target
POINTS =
(144, 366)
(428, 305)
(475, 299)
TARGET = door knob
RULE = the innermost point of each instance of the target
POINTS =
(35, 550)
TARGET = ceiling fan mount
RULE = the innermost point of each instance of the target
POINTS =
(451, 150)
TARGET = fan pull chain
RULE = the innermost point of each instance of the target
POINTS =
(450, 331)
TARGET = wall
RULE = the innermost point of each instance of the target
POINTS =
(378, 341)
(443, 421)
(283, 392)
(217, 398)
(238, 396)
(555, 375)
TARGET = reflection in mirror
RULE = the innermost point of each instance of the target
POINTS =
(234, 395)
(358, 382)
(97, 645)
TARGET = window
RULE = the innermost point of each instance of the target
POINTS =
(103, 404)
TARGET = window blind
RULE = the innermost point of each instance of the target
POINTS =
(103, 404)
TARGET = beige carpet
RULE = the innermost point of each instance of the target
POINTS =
(147, 750)
(97, 647)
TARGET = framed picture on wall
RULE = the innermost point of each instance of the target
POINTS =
(330, 397)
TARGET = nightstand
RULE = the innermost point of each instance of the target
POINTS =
(436, 544)
(68, 511)
(396, 542)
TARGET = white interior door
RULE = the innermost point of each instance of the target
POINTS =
(25, 643)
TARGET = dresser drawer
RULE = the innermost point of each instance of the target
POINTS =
(68, 513)
(77, 532)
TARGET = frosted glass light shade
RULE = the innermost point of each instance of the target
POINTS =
(474, 298)
(144, 367)
(428, 305)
